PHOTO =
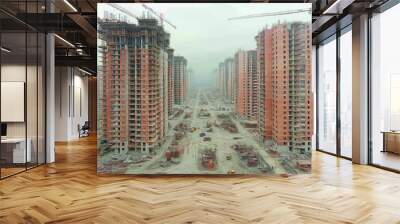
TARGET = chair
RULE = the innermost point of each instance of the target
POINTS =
(84, 130)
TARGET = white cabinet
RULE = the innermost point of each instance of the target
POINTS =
(18, 149)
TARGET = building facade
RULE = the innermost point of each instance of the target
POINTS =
(253, 87)
(230, 79)
(135, 85)
(180, 79)
(286, 100)
(221, 79)
(241, 80)
(264, 69)
(226, 80)
(170, 52)
(246, 89)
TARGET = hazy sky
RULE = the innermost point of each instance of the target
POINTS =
(205, 37)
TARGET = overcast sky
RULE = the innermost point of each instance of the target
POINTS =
(205, 37)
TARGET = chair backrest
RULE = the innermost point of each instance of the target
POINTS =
(86, 124)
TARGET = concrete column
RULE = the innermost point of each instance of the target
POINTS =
(50, 99)
(63, 98)
(360, 90)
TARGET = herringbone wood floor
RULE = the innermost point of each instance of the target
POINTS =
(70, 191)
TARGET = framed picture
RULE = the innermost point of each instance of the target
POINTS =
(204, 88)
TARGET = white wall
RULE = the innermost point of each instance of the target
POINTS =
(33, 126)
(12, 73)
(79, 117)
(71, 87)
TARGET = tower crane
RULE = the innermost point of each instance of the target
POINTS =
(159, 15)
(271, 14)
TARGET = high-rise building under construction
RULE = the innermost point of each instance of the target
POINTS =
(246, 84)
(180, 79)
(221, 81)
(170, 52)
(286, 99)
(230, 79)
(135, 84)
(226, 79)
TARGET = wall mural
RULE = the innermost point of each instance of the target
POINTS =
(204, 88)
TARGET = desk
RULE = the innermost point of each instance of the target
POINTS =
(391, 141)
(13, 150)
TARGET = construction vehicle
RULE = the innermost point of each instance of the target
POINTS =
(231, 172)
(208, 159)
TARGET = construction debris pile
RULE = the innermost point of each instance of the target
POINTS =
(174, 151)
(114, 164)
(304, 165)
(227, 123)
(295, 162)
(247, 154)
(208, 158)
(120, 162)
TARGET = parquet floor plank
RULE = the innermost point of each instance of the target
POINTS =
(70, 191)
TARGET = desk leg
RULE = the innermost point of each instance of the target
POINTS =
(384, 142)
